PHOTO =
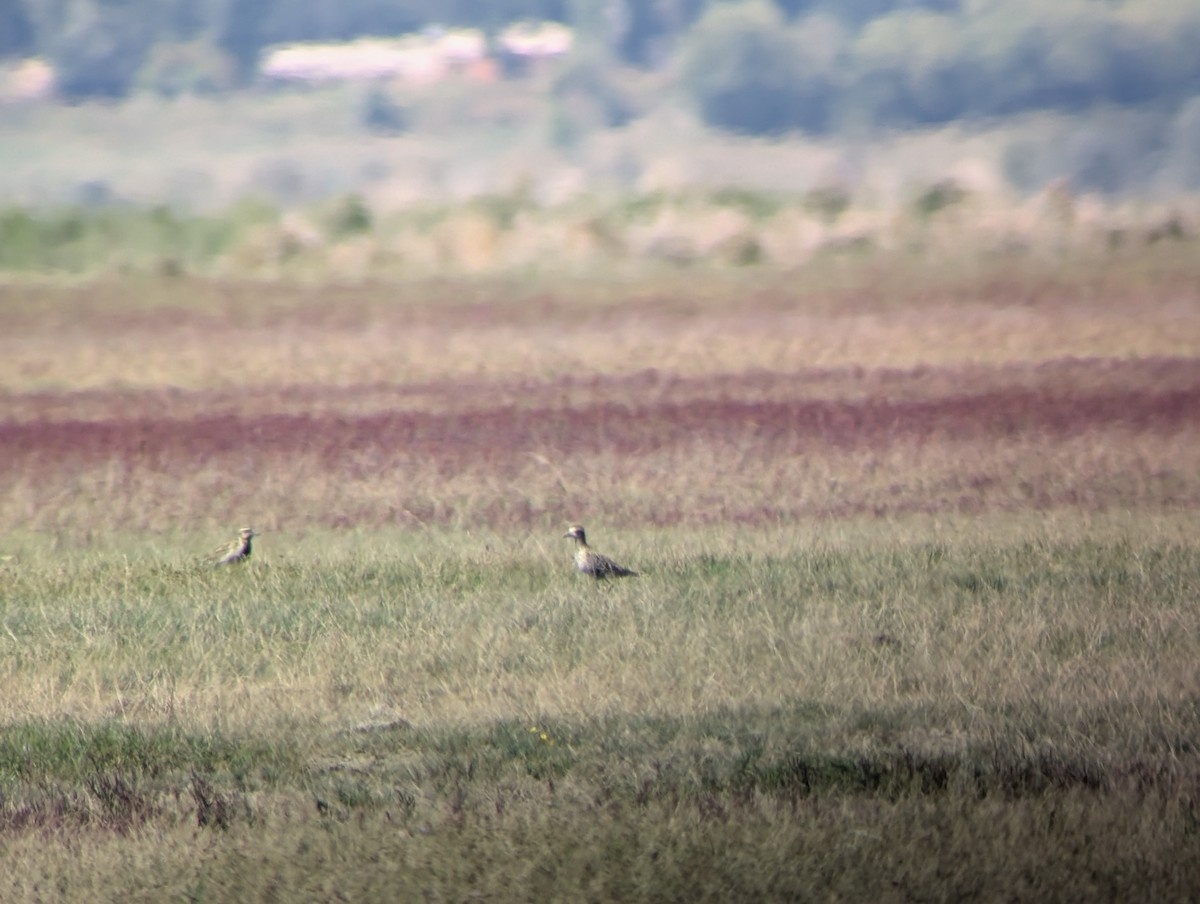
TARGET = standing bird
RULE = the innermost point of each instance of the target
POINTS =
(589, 562)
(236, 550)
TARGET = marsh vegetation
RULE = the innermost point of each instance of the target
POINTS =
(917, 613)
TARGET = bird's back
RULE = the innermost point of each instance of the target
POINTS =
(237, 551)
(234, 554)
(600, 566)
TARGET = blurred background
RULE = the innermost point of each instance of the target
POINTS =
(378, 137)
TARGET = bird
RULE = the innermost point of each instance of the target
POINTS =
(593, 563)
(236, 550)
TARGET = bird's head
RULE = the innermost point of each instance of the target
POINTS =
(575, 532)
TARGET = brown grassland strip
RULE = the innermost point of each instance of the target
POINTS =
(242, 336)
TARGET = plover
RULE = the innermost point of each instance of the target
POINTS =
(593, 563)
(236, 550)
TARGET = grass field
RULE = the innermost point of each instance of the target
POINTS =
(917, 616)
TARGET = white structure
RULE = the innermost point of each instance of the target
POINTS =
(29, 80)
(419, 58)
(536, 40)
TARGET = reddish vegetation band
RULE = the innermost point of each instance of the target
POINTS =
(645, 448)
(620, 427)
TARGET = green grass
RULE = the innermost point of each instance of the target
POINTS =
(75, 240)
(904, 709)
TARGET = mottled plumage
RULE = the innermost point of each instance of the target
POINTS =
(589, 562)
(235, 551)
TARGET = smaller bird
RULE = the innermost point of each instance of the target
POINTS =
(593, 563)
(236, 550)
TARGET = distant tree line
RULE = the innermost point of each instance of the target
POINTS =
(750, 69)
(754, 66)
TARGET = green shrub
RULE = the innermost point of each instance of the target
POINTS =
(82, 239)
(756, 204)
(828, 202)
(937, 197)
(350, 216)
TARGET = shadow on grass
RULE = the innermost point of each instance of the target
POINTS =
(58, 774)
